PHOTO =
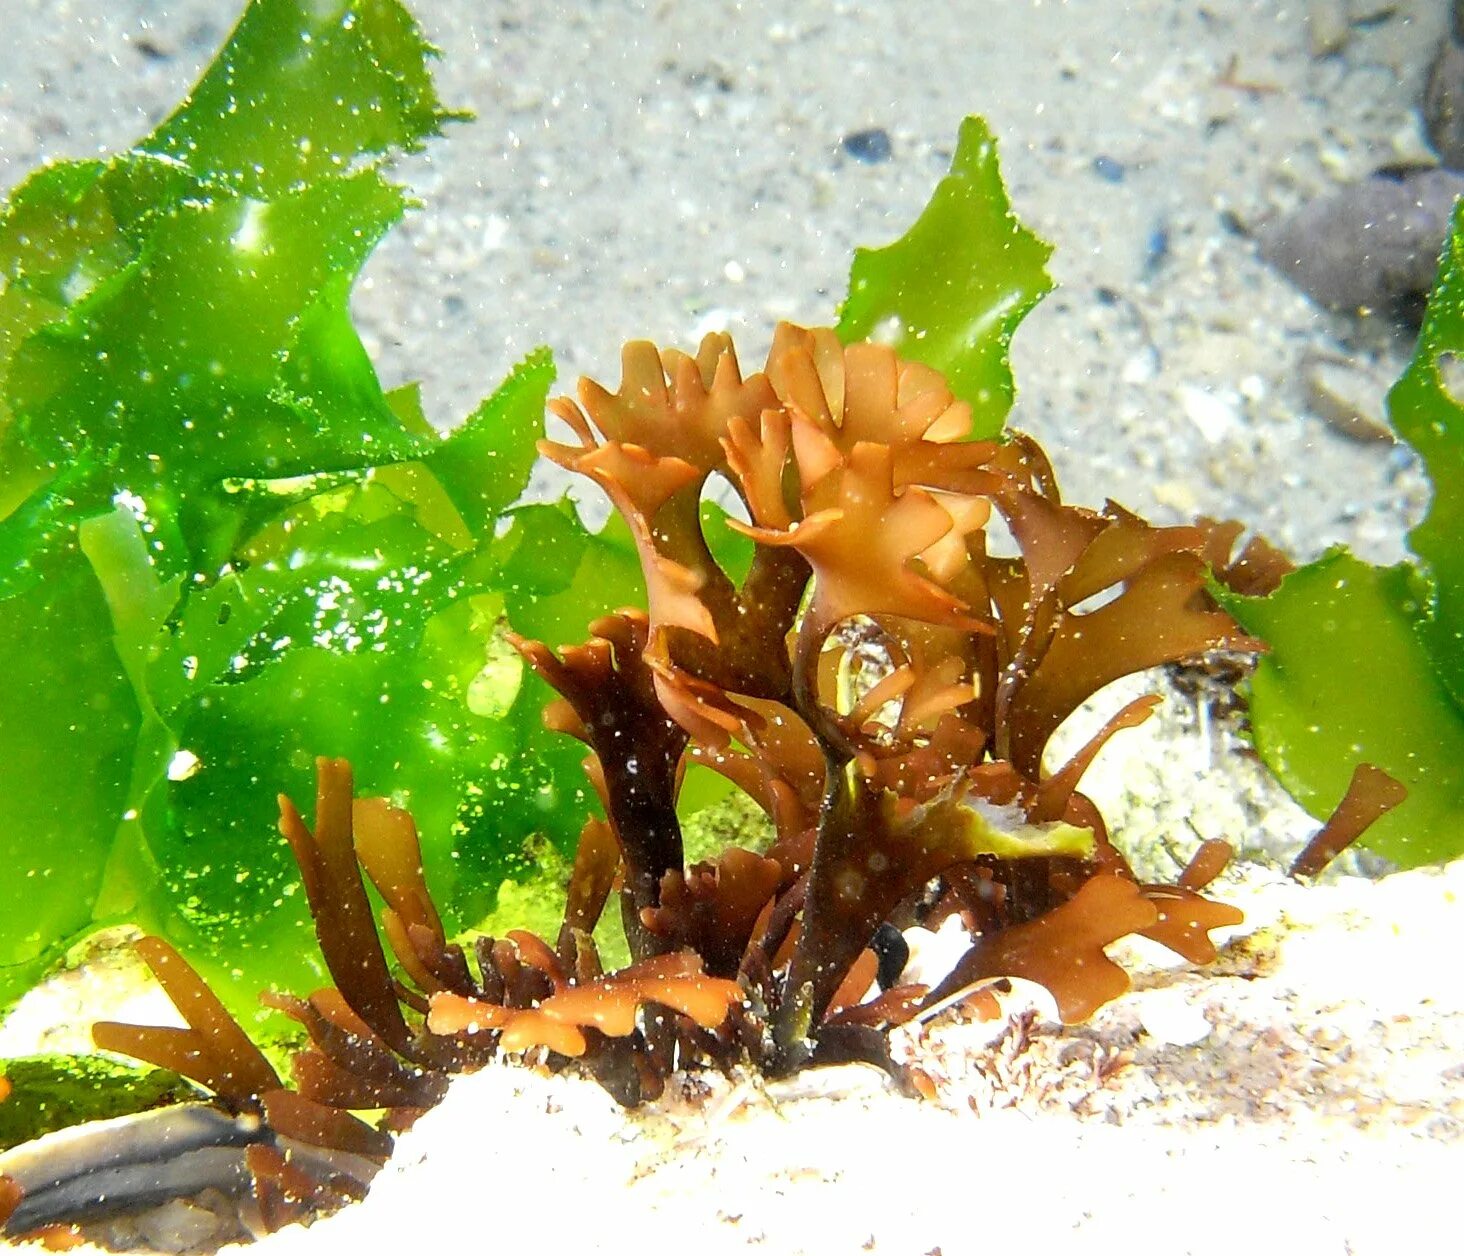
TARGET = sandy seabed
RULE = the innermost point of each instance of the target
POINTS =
(1303, 1095)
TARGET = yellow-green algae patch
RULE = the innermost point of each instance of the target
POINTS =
(54, 1092)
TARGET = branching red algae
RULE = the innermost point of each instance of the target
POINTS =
(880, 683)
(923, 677)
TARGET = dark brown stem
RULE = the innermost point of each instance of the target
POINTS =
(829, 939)
(838, 916)
(640, 757)
(747, 621)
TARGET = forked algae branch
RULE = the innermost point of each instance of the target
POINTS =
(877, 681)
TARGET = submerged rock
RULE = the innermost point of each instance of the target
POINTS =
(1370, 246)
(1443, 103)
(1349, 398)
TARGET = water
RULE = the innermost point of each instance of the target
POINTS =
(659, 173)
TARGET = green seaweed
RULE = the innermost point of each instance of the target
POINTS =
(55, 1092)
(1427, 414)
(1341, 634)
(226, 547)
(953, 288)
(1366, 664)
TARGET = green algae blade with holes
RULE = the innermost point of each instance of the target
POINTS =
(1367, 664)
(1348, 681)
(1429, 416)
(955, 286)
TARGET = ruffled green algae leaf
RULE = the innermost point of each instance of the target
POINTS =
(55, 1092)
(357, 625)
(351, 629)
(1366, 664)
(303, 90)
(68, 728)
(226, 550)
(485, 463)
(951, 291)
(558, 576)
(1348, 680)
(1427, 413)
(66, 231)
(70, 227)
(225, 350)
(181, 310)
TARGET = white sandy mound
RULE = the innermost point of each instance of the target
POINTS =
(1302, 1096)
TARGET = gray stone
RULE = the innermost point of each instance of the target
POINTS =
(1368, 246)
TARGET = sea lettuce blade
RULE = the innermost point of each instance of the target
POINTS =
(1429, 416)
(484, 463)
(68, 725)
(362, 625)
(303, 90)
(1346, 681)
(66, 231)
(955, 286)
(179, 360)
(238, 551)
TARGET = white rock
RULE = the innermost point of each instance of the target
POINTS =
(1213, 413)
(934, 954)
(1169, 1017)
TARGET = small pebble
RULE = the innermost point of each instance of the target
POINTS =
(718, 318)
(1177, 495)
(1443, 118)
(1371, 12)
(932, 955)
(1214, 415)
(1107, 169)
(1327, 27)
(1141, 367)
(151, 50)
(1350, 400)
(1156, 249)
(1170, 1018)
(871, 146)
(1400, 459)
(181, 1226)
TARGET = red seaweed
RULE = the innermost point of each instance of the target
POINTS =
(879, 683)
